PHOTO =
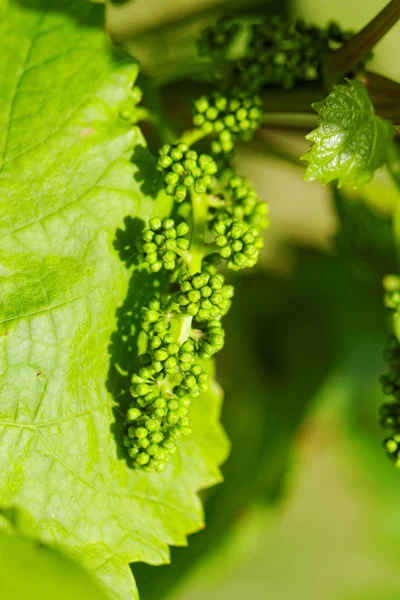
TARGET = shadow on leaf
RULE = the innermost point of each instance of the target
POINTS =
(147, 175)
(126, 241)
(124, 342)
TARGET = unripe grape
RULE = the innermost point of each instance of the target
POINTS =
(161, 245)
(185, 168)
(229, 117)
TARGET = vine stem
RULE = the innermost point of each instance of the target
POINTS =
(346, 59)
(184, 328)
(197, 245)
(192, 136)
(385, 94)
(195, 256)
(181, 327)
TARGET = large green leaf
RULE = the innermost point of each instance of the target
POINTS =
(47, 573)
(351, 142)
(71, 201)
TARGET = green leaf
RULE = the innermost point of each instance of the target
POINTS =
(70, 300)
(47, 573)
(351, 142)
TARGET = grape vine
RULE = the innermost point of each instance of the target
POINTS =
(183, 324)
(219, 219)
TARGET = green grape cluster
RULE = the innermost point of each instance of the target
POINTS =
(209, 340)
(181, 325)
(165, 355)
(215, 40)
(155, 317)
(158, 415)
(240, 202)
(229, 117)
(238, 243)
(236, 220)
(285, 53)
(390, 411)
(163, 243)
(170, 374)
(184, 168)
(151, 431)
(204, 296)
(196, 381)
(279, 52)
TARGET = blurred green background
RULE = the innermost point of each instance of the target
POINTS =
(309, 508)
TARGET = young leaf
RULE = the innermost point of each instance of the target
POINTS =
(351, 142)
(67, 184)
